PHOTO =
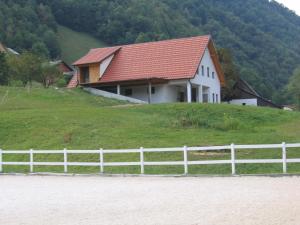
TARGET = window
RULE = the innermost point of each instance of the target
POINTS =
(202, 70)
(213, 75)
(213, 95)
(207, 71)
(128, 92)
(197, 71)
(217, 98)
(152, 90)
(85, 72)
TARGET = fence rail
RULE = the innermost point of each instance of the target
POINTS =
(142, 163)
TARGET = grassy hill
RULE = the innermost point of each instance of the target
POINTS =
(75, 44)
(55, 119)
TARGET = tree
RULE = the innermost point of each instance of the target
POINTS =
(49, 75)
(293, 86)
(3, 70)
(230, 72)
(25, 68)
(52, 44)
(40, 49)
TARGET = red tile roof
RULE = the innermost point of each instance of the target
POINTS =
(96, 55)
(171, 59)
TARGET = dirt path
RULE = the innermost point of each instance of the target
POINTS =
(38, 200)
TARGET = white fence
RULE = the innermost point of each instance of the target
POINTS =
(142, 163)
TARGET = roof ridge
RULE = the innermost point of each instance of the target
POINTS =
(152, 42)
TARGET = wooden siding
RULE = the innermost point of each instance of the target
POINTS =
(94, 72)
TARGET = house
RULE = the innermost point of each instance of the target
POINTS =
(244, 94)
(179, 70)
(4, 49)
(63, 67)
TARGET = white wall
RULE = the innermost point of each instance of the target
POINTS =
(105, 64)
(213, 84)
(163, 93)
(169, 92)
(112, 95)
(251, 101)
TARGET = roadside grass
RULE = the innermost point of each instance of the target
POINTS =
(59, 118)
(75, 44)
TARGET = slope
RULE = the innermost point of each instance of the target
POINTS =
(75, 44)
(54, 119)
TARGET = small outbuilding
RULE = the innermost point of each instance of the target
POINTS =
(244, 94)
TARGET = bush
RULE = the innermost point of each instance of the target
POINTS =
(229, 123)
(16, 83)
(211, 117)
(61, 82)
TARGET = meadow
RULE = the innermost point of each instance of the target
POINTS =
(59, 118)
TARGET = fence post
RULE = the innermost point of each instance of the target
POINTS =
(284, 165)
(185, 156)
(142, 160)
(101, 161)
(65, 160)
(1, 161)
(31, 160)
(232, 159)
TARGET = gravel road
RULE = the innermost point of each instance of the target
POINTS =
(63, 200)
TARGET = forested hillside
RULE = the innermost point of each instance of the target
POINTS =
(262, 35)
(26, 25)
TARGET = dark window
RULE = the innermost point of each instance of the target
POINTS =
(217, 98)
(202, 70)
(85, 74)
(128, 92)
(152, 90)
(197, 71)
(181, 96)
(213, 75)
(213, 98)
(207, 71)
(205, 98)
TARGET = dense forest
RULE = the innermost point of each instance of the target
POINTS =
(262, 35)
(27, 25)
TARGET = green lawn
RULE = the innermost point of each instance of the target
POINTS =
(75, 44)
(57, 119)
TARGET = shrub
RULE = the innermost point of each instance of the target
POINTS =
(61, 82)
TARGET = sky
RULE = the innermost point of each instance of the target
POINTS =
(291, 4)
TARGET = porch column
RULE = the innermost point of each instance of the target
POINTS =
(189, 91)
(149, 92)
(118, 89)
(200, 94)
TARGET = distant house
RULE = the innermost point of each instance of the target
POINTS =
(63, 67)
(179, 70)
(244, 94)
(4, 49)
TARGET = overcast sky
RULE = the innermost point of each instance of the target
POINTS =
(292, 4)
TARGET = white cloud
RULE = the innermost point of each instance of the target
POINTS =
(291, 4)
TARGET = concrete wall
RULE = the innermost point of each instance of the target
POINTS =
(163, 93)
(203, 79)
(112, 95)
(252, 102)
